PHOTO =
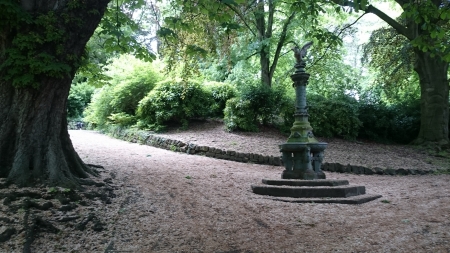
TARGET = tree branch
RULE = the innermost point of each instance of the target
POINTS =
(280, 44)
(250, 56)
(270, 19)
(394, 24)
(340, 32)
(371, 9)
(241, 17)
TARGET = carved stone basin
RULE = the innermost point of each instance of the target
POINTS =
(303, 160)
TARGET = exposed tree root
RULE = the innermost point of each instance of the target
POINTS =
(52, 210)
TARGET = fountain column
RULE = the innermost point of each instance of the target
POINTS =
(302, 154)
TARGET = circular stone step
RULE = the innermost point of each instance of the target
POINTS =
(309, 192)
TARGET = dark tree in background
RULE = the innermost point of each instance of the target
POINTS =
(41, 43)
(424, 24)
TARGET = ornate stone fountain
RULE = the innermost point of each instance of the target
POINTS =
(303, 180)
(302, 153)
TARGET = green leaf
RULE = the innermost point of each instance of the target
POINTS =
(164, 32)
(229, 2)
(433, 34)
(363, 4)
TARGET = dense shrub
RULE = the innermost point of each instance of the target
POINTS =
(287, 118)
(220, 93)
(79, 97)
(127, 94)
(117, 103)
(98, 111)
(122, 119)
(239, 113)
(334, 117)
(342, 116)
(385, 123)
(173, 100)
(254, 105)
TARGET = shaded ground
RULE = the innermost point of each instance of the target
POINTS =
(159, 201)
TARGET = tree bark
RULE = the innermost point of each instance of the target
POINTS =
(434, 87)
(434, 81)
(35, 146)
(264, 51)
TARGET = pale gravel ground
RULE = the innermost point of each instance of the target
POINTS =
(215, 211)
(159, 209)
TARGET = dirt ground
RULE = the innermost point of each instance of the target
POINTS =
(164, 201)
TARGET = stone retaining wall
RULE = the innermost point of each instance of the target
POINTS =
(149, 139)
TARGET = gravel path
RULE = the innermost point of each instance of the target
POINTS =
(164, 201)
(172, 202)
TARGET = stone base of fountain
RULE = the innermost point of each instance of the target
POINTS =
(303, 160)
(317, 191)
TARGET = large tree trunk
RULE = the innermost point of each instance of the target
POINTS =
(266, 78)
(34, 142)
(434, 86)
(263, 35)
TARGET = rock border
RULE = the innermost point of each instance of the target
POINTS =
(149, 139)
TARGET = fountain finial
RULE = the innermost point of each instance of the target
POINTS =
(301, 53)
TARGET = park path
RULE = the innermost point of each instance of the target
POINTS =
(174, 202)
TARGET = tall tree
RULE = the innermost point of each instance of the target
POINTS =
(41, 42)
(268, 26)
(394, 75)
(423, 24)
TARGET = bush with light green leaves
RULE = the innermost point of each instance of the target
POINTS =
(131, 80)
(173, 101)
(79, 97)
(98, 111)
(255, 105)
(220, 92)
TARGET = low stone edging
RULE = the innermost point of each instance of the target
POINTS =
(149, 139)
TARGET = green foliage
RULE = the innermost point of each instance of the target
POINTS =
(13, 14)
(332, 77)
(220, 92)
(127, 94)
(122, 119)
(253, 106)
(173, 101)
(239, 114)
(99, 109)
(390, 123)
(287, 111)
(131, 80)
(239, 30)
(216, 70)
(393, 72)
(243, 74)
(118, 31)
(432, 20)
(335, 116)
(39, 44)
(36, 49)
(79, 97)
